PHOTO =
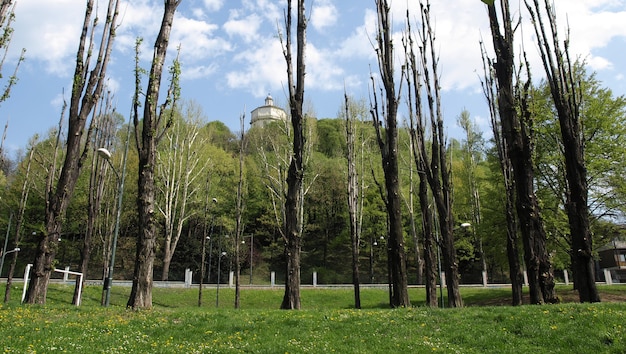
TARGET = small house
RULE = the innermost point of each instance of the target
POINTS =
(613, 261)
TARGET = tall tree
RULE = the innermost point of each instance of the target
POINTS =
(156, 121)
(295, 174)
(388, 144)
(472, 151)
(506, 168)
(517, 133)
(567, 95)
(25, 190)
(438, 171)
(354, 197)
(419, 154)
(104, 131)
(88, 83)
(239, 210)
(178, 167)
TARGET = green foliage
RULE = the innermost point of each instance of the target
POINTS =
(331, 134)
(603, 118)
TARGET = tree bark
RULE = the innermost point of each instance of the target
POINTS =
(518, 138)
(566, 95)
(399, 296)
(438, 171)
(295, 174)
(430, 255)
(141, 292)
(19, 222)
(239, 213)
(86, 90)
(353, 200)
(512, 249)
(104, 128)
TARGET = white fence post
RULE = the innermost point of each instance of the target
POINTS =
(607, 277)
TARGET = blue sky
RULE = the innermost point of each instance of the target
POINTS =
(231, 57)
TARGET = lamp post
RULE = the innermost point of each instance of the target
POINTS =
(219, 269)
(105, 154)
(16, 249)
(6, 241)
(463, 225)
(251, 252)
(204, 238)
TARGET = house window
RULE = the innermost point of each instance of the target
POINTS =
(622, 257)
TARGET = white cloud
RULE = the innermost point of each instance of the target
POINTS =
(197, 39)
(247, 28)
(324, 15)
(52, 41)
(197, 72)
(322, 72)
(268, 9)
(213, 5)
(262, 70)
(359, 42)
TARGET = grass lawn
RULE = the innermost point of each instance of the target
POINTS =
(327, 323)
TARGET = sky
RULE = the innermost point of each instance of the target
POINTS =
(232, 59)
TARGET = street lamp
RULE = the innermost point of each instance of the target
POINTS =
(217, 290)
(251, 252)
(6, 241)
(16, 249)
(106, 154)
(204, 238)
(463, 225)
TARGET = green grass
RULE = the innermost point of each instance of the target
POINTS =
(325, 324)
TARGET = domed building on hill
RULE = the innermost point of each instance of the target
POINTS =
(267, 113)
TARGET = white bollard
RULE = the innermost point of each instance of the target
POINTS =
(273, 279)
(188, 277)
(231, 277)
(607, 277)
(26, 276)
(66, 274)
(314, 279)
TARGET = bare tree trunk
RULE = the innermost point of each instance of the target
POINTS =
(20, 221)
(178, 168)
(430, 254)
(515, 272)
(399, 296)
(141, 292)
(353, 200)
(512, 249)
(239, 211)
(566, 94)
(418, 145)
(104, 129)
(86, 90)
(438, 171)
(518, 138)
(293, 201)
